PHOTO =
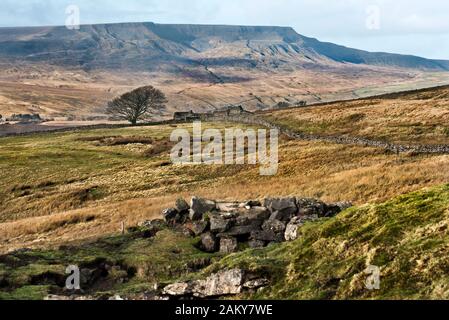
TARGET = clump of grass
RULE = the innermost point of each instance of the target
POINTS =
(158, 148)
(72, 199)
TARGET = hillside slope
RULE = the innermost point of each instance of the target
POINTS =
(413, 117)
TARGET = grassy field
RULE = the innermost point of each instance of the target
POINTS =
(73, 186)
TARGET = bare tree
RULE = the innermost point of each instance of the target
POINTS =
(139, 104)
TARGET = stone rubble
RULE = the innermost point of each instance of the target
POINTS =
(223, 283)
(222, 226)
(226, 227)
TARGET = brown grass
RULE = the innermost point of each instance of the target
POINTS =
(409, 118)
(327, 171)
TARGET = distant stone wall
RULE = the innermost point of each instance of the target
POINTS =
(252, 119)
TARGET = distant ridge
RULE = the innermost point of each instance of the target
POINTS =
(151, 46)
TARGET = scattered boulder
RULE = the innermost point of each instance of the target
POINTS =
(219, 225)
(209, 242)
(274, 225)
(307, 207)
(223, 283)
(177, 289)
(228, 245)
(199, 207)
(283, 208)
(182, 205)
(228, 282)
(170, 215)
(199, 227)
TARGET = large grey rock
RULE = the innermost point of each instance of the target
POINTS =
(227, 206)
(307, 207)
(223, 283)
(267, 236)
(195, 215)
(239, 231)
(228, 282)
(199, 227)
(182, 205)
(279, 204)
(219, 224)
(170, 215)
(228, 245)
(177, 289)
(281, 216)
(254, 216)
(282, 208)
(276, 226)
(199, 207)
(209, 242)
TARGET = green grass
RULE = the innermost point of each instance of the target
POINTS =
(144, 262)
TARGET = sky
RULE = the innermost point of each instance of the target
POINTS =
(401, 26)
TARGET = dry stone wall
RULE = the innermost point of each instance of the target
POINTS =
(252, 119)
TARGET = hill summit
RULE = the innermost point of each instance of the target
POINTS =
(167, 46)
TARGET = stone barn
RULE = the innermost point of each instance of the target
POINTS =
(186, 116)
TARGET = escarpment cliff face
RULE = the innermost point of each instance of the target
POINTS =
(153, 46)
